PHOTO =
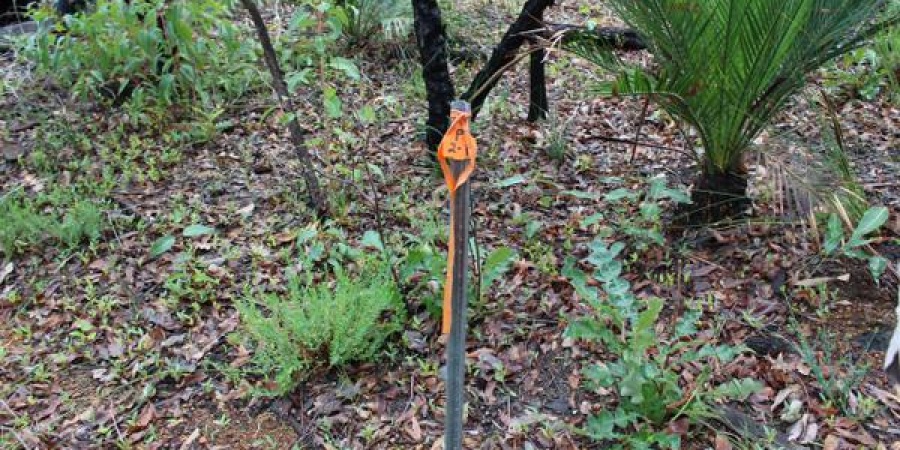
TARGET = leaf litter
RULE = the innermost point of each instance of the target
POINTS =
(148, 373)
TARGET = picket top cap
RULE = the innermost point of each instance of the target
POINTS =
(461, 106)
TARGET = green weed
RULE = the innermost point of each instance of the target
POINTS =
(117, 51)
(646, 374)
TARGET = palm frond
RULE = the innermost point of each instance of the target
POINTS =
(728, 67)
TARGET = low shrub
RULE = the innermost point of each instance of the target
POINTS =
(153, 52)
(59, 216)
(315, 325)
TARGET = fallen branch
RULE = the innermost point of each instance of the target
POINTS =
(748, 428)
(612, 38)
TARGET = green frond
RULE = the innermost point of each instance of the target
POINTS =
(727, 67)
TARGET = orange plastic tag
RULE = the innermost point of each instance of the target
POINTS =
(457, 145)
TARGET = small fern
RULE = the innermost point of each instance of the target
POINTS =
(391, 19)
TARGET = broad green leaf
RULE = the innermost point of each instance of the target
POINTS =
(532, 228)
(854, 252)
(333, 105)
(602, 426)
(83, 325)
(286, 118)
(578, 279)
(197, 230)
(599, 375)
(298, 78)
(306, 234)
(834, 232)
(587, 329)
(496, 264)
(511, 181)
(162, 245)
(872, 220)
(650, 211)
(301, 19)
(608, 271)
(582, 194)
(687, 324)
(676, 195)
(372, 239)
(644, 334)
(736, 389)
(877, 266)
(375, 169)
(657, 186)
(346, 66)
(617, 286)
(621, 193)
(592, 219)
(367, 115)
(616, 248)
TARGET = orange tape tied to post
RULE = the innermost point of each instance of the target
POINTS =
(458, 144)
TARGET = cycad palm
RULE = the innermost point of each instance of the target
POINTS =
(727, 67)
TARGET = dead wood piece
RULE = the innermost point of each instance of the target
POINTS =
(613, 38)
(747, 427)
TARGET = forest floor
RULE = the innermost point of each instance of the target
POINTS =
(106, 347)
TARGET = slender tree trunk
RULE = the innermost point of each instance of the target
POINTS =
(537, 81)
(432, 44)
(298, 135)
(505, 53)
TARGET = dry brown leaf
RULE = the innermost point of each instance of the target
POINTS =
(146, 417)
(190, 440)
(414, 430)
(831, 442)
(722, 443)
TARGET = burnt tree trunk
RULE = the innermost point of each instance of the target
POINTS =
(610, 38)
(537, 83)
(439, 90)
(504, 54)
(528, 27)
(715, 196)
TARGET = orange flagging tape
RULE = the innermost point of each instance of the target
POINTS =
(457, 145)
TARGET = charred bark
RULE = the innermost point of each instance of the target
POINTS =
(432, 44)
(714, 197)
(538, 106)
(528, 27)
(611, 38)
(537, 82)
